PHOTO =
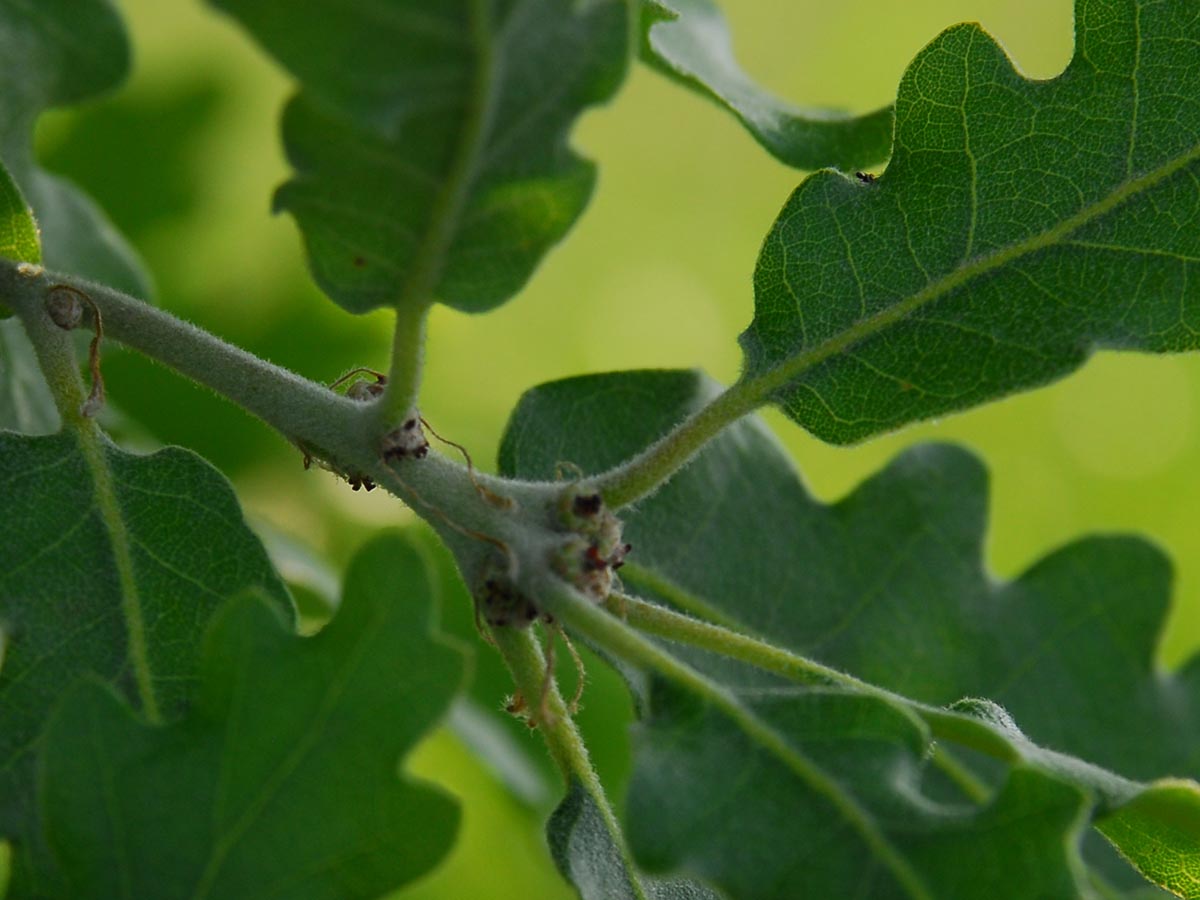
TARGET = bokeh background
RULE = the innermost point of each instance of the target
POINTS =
(657, 274)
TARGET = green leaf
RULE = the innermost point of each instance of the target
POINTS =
(1019, 225)
(892, 588)
(689, 41)
(282, 779)
(430, 141)
(1157, 831)
(586, 855)
(110, 564)
(762, 821)
(18, 230)
(55, 53)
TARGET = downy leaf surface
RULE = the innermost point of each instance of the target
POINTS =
(110, 565)
(689, 42)
(587, 856)
(286, 765)
(1019, 226)
(888, 585)
(430, 140)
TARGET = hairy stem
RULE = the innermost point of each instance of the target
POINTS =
(332, 426)
(662, 622)
(523, 655)
(417, 292)
(327, 425)
(525, 660)
(404, 374)
(298, 408)
(641, 475)
(56, 358)
(595, 624)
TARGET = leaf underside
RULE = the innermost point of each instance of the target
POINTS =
(168, 541)
(688, 40)
(430, 141)
(281, 781)
(1019, 226)
(888, 585)
(586, 855)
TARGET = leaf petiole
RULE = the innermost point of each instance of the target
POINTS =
(56, 357)
(404, 374)
(579, 614)
(525, 661)
(641, 475)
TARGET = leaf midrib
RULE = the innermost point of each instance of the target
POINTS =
(286, 768)
(820, 782)
(449, 202)
(92, 448)
(778, 376)
(590, 620)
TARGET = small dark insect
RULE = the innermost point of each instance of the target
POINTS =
(359, 262)
(865, 177)
(361, 481)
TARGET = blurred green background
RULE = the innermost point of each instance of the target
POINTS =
(656, 275)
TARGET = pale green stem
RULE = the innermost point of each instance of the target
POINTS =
(943, 724)
(55, 351)
(523, 655)
(525, 660)
(595, 624)
(663, 622)
(641, 475)
(644, 473)
(666, 623)
(56, 358)
(326, 424)
(298, 408)
(404, 376)
(421, 281)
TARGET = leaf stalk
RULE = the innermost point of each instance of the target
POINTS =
(641, 475)
(607, 631)
(27, 293)
(523, 656)
(404, 374)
